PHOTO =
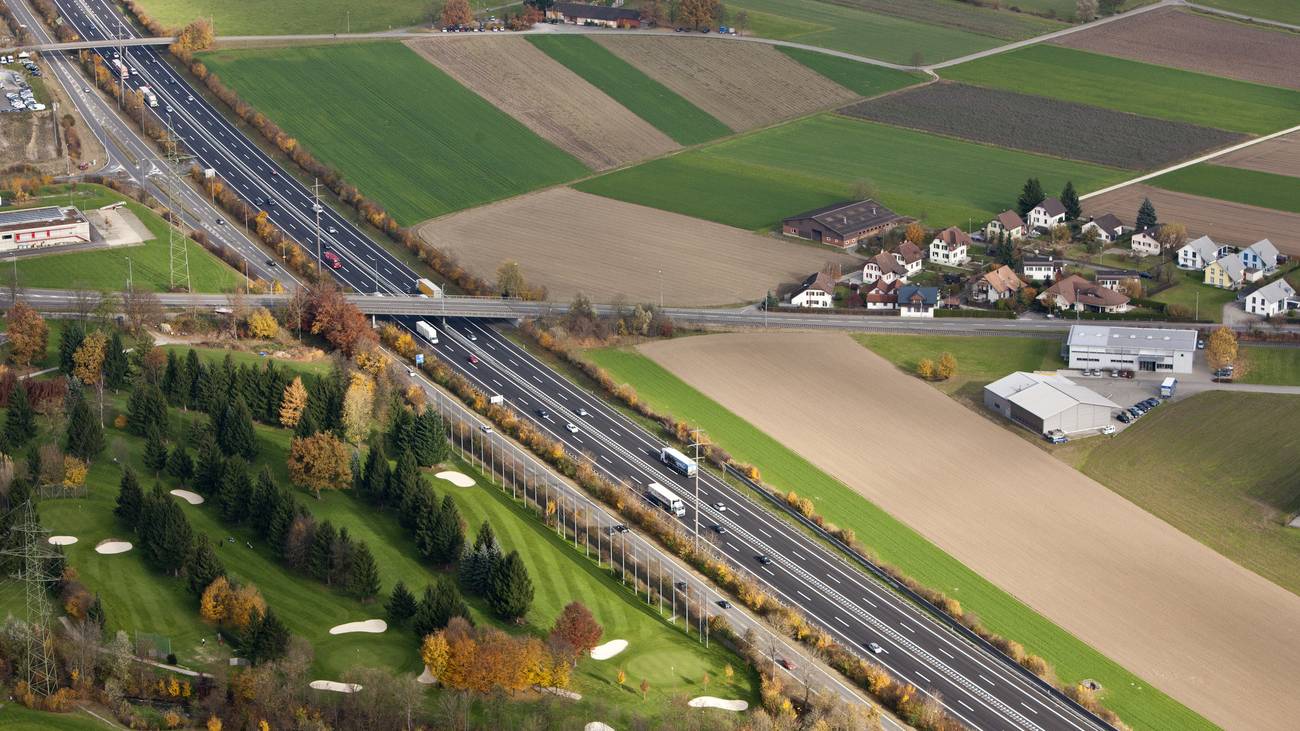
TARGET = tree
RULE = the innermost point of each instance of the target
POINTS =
(165, 534)
(292, 403)
(1085, 11)
(336, 319)
(577, 629)
(130, 499)
(512, 589)
(234, 432)
(142, 309)
(28, 334)
(268, 639)
(20, 421)
(321, 551)
(741, 24)
(401, 604)
(73, 333)
(203, 566)
(261, 324)
(430, 441)
(146, 409)
(457, 12)
(1221, 350)
(697, 13)
(915, 233)
(448, 533)
(215, 600)
(439, 604)
(210, 469)
(180, 465)
(1030, 196)
(1070, 200)
(434, 652)
(85, 436)
(358, 405)
(947, 367)
(925, 368)
(1146, 217)
(117, 368)
(320, 462)
(510, 279)
(375, 476)
(1171, 236)
(236, 491)
(155, 452)
(363, 574)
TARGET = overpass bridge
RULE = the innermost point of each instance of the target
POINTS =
(79, 45)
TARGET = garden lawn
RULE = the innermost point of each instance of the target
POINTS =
(754, 180)
(400, 130)
(275, 17)
(1140, 705)
(1205, 470)
(1199, 298)
(862, 78)
(681, 120)
(1239, 185)
(1132, 86)
(107, 269)
(1272, 365)
(980, 359)
(1287, 11)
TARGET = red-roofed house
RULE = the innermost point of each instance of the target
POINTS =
(949, 247)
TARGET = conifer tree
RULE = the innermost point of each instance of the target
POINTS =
(405, 483)
(236, 434)
(209, 470)
(374, 478)
(262, 506)
(401, 604)
(203, 566)
(430, 439)
(307, 425)
(85, 436)
(1030, 196)
(146, 409)
(401, 432)
(117, 369)
(321, 552)
(1070, 200)
(155, 452)
(20, 421)
(425, 511)
(175, 382)
(511, 592)
(166, 535)
(268, 639)
(73, 334)
(448, 533)
(180, 465)
(196, 373)
(282, 513)
(1146, 217)
(293, 403)
(130, 499)
(236, 491)
(363, 574)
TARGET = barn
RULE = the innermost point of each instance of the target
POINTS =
(1048, 402)
(602, 15)
(844, 224)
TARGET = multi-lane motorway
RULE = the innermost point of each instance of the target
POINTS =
(974, 684)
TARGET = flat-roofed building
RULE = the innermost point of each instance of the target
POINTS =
(30, 228)
(1131, 348)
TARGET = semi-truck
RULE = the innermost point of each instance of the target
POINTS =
(122, 71)
(678, 461)
(150, 98)
(427, 331)
(427, 287)
(664, 498)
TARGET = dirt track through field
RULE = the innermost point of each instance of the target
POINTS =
(1224, 221)
(548, 98)
(1194, 624)
(1279, 155)
(743, 85)
(1189, 40)
(575, 242)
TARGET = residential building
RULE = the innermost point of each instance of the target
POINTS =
(1131, 348)
(32, 228)
(881, 294)
(1040, 267)
(1045, 215)
(949, 247)
(1078, 294)
(1273, 298)
(1114, 278)
(1144, 242)
(1008, 222)
(818, 290)
(914, 301)
(1230, 272)
(999, 284)
(910, 257)
(1198, 254)
(844, 225)
(1048, 403)
(602, 15)
(1107, 226)
(883, 266)
(1261, 255)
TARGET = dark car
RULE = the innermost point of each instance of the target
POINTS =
(543, 414)
(621, 528)
(270, 262)
(724, 604)
(763, 559)
(1124, 417)
(681, 585)
(787, 664)
(720, 529)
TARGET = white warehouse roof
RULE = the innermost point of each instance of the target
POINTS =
(1132, 337)
(1044, 395)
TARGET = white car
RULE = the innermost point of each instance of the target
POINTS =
(875, 648)
(720, 507)
(485, 428)
(1108, 429)
(573, 428)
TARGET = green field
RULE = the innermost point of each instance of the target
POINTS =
(1209, 470)
(1137, 702)
(1202, 300)
(1287, 11)
(1277, 366)
(755, 180)
(1115, 83)
(400, 130)
(14, 717)
(980, 359)
(318, 367)
(273, 17)
(107, 269)
(861, 78)
(1239, 185)
(686, 123)
(891, 30)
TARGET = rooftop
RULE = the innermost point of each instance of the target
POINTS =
(597, 12)
(1153, 337)
(850, 217)
(1045, 395)
(24, 218)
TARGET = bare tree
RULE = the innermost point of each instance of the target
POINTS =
(142, 310)
(84, 300)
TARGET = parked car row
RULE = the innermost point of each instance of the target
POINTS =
(1136, 411)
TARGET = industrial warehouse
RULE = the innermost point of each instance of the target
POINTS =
(1131, 348)
(1049, 403)
(31, 228)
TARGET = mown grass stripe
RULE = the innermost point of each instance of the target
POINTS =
(1239, 185)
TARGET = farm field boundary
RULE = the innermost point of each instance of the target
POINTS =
(1239, 185)
(865, 80)
(1280, 155)
(1281, 10)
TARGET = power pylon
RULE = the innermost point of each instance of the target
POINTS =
(33, 550)
(178, 250)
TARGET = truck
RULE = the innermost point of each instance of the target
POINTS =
(427, 331)
(149, 96)
(664, 498)
(427, 287)
(122, 71)
(678, 461)
(1167, 387)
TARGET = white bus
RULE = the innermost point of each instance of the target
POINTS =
(660, 495)
(678, 461)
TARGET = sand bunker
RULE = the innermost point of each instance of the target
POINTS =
(335, 686)
(597, 726)
(193, 498)
(456, 478)
(426, 677)
(112, 546)
(708, 701)
(62, 540)
(374, 626)
(608, 650)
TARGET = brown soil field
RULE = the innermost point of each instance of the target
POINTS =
(743, 85)
(575, 242)
(1279, 155)
(1189, 40)
(27, 137)
(548, 98)
(1224, 221)
(1198, 626)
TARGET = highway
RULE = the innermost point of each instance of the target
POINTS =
(976, 685)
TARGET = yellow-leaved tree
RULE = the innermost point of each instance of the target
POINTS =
(88, 360)
(358, 405)
(293, 403)
(261, 324)
(434, 653)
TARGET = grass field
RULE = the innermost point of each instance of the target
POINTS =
(1206, 470)
(862, 78)
(1286, 11)
(273, 17)
(684, 122)
(1201, 299)
(14, 717)
(1105, 81)
(980, 359)
(318, 367)
(1239, 185)
(150, 265)
(1140, 705)
(1272, 365)
(399, 129)
(753, 181)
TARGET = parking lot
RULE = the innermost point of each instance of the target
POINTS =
(18, 94)
(1124, 391)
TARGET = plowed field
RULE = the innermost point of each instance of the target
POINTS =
(548, 98)
(1279, 155)
(1231, 223)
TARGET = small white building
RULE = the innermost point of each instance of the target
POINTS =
(31, 228)
(1045, 215)
(1131, 348)
(1273, 298)
(1048, 402)
(818, 291)
(1040, 267)
(1007, 222)
(1145, 243)
(1198, 254)
(1261, 255)
(949, 247)
(910, 257)
(914, 301)
(1107, 226)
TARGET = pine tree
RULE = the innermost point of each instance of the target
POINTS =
(1030, 196)
(1146, 217)
(196, 373)
(430, 439)
(293, 403)
(95, 612)
(268, 639)
(282, 514)
(425, 512)
(236, 434)
(130, 499)
(117, 369)
(307, 425)
(73, 334)
(475, 570)
(175, 382)
(166, 535)
(85, 436)
(210, 469)
(374, 478)
(448, 533)
(322, 551)
(1070, 200)
(203, 566)
(155, 452)
(145, 409)
(236, 491)
(485, 536)
(511, 592)
(439, 604)
(363, 574)
(262, 507)
(401, 604)
(401, 432)
(405, 483)
(20, 421)
(180, 465)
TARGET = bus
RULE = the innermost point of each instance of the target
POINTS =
(665, 499)
(678, 461)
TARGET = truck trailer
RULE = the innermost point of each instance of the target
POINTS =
(150, 98)
(427, 287)
(427, 331)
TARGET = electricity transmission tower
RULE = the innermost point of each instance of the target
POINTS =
(178, 250)
(32, 549)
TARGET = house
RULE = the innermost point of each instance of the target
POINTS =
(1048, 403)
(999, 284)
(33, 228)
(1045, 215)
(1261, 255)
(1076, 293)
(880, 295)
(843, 224)
(1039, 267)
(1131, 348)
(1230, 272)
(910, 257)
(1144, 242)
(602, 15)
(914, 301)
(1273, 298)
(1197, 254)
(1107, 226)
(1114, 278)
(818, 290)
(1007, 222)
(883, 266)
(949, 247)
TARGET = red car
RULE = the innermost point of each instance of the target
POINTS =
(787, 664)
(333, 260)
(473, 359)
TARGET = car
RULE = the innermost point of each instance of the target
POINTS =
(763, 559)
(169, 109)
(582, 411)
(473, 359)
(875, 648)
(720, 529)
(680, 585)
(1124, 417)
(1200, 345)
(787, 664)
(573, 428)
(723, 603)
(410, 373)
(1133, 412)
(1108, 429)
(720, 507)
(1114, 374)
(85, 90)
(622, 528)
(221, 222)
(259, 201)
(543, 414)
(472, 337)
(189, 98)
(270, 262)
(485, 428)
(332, 230)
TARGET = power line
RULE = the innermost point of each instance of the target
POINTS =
(33, 549)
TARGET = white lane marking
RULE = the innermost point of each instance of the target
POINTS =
(986, 680)
(760, 530)
(535, 378)
(904, 626)
(922, 677)
(769, 571)
(963, 703)
(607, 459)
(805, 596)
(949, 654)
(832, 578)
(512, 362)
(614, 432)
(796, 555)
(837, 619)
(868, 601)
(732, 546)
(1029, 709)
(498, 383)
